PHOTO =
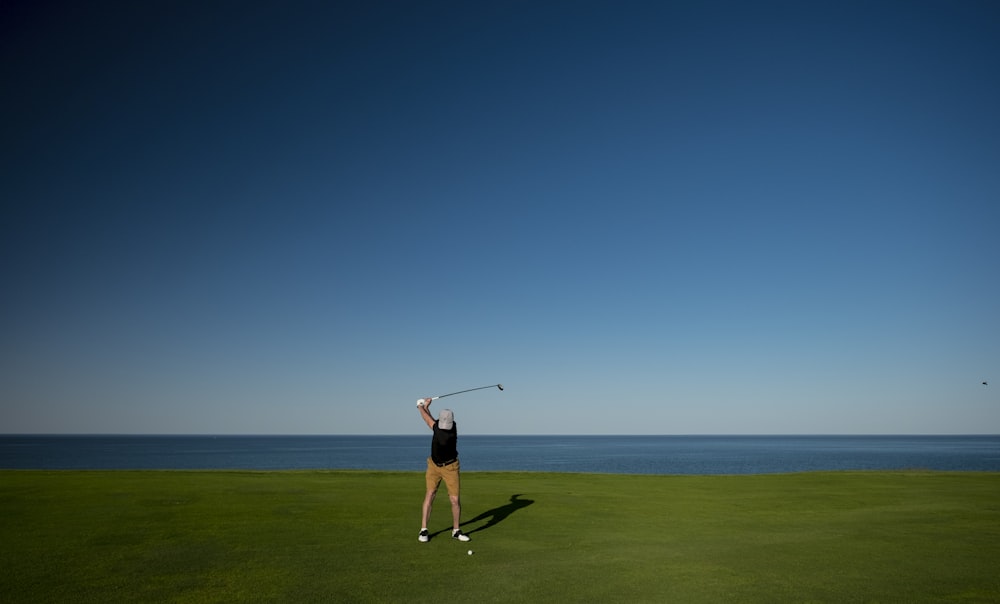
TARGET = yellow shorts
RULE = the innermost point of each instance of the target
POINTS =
(448, 473)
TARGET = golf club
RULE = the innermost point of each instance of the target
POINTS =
(420, 401)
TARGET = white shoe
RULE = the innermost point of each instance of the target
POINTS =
(424, 537)
(458, 534)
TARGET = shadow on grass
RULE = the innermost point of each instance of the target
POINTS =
(498, 514)
(495, 516)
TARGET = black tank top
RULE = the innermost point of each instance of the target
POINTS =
(444, 445)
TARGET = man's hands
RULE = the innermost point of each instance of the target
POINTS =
(424, 402)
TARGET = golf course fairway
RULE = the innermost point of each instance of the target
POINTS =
(351, 536)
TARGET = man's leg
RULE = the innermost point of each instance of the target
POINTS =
(428, 504)
(456, 511)
(453, 482)
(433, 478)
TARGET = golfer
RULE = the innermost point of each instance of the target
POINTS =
(442, 465)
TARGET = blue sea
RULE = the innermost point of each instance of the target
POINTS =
(603, 454)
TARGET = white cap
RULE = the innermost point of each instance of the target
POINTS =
(446, 420)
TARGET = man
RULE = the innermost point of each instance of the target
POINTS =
(442, 465)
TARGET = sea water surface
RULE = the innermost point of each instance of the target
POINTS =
(602, 454)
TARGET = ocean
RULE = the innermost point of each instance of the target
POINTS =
(602, 454)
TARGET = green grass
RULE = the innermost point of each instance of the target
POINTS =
(344, 536)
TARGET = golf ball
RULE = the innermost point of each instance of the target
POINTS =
(470, 552)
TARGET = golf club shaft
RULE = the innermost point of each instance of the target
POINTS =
(469, 390)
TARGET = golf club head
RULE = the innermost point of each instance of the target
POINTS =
(500, 386)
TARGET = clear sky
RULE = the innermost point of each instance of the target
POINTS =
(640, 217)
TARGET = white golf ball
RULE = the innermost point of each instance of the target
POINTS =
(470, 552)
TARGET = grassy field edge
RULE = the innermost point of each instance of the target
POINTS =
(350, 535)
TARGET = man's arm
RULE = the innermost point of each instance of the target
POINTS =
(424, 413)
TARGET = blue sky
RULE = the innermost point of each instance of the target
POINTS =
(651, 218)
